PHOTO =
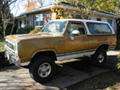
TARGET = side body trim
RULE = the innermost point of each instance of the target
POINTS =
(75, 54)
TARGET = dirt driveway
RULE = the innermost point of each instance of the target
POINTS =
(67, 74)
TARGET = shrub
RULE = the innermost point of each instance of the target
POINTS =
(24, 30)
(36, 30)
(8, 29)
(20, 30)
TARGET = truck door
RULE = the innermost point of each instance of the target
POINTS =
(74, 43)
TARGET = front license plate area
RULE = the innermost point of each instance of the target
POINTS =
(8, 57)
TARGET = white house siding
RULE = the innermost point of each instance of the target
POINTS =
(105, 18)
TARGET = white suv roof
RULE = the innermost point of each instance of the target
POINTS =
(82, 20)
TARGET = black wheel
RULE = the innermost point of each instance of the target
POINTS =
(42, 69)
(99, 57)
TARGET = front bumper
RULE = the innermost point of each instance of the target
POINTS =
(14, 60)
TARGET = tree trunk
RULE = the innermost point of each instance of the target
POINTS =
(12, 26)
(4, 28)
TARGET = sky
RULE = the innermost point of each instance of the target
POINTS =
(18, 7)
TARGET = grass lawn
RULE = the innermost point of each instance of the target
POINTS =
(1, 45)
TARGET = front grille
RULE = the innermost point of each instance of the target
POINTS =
(9, 45)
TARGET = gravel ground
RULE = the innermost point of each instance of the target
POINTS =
(104, 81)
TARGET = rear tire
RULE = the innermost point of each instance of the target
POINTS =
(99, 57)
(42, 69)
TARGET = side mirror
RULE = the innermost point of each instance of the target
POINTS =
(75, 32)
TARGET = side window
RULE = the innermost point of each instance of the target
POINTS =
(98, 28)
(75, 26)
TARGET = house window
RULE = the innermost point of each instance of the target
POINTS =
(109, 21)
(98, 19)
(39, 20)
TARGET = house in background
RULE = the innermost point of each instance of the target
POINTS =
(40, 16)
(21, 21)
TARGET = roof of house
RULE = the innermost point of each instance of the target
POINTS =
(67, 6)
(38, 10)
(106, 14)
(20, 17)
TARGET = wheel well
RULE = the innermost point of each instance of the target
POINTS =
(45, 53)
(104, 46)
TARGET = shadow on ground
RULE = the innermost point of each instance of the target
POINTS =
(86, 66)
(9, 68)
(80, 74)
(102, 80)
(70, 74)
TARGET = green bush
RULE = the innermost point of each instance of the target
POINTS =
(24, 30)
(8, 29)
(19, 30)
(36, 30)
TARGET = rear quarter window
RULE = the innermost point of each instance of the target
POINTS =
(99, 28)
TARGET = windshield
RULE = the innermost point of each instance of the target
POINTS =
(55, 27)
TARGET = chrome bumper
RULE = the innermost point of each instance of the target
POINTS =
(13, 60)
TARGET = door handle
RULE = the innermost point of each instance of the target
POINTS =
(71, 38)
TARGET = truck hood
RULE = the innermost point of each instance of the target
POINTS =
(20, 37)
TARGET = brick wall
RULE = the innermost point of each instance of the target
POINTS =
(31, 20)
(47, 16)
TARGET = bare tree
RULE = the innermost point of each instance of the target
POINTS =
(5, 13)
(41, 2)
(13, 18)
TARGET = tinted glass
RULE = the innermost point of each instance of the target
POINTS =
(98, 28)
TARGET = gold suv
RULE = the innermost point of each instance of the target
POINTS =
(60, 40)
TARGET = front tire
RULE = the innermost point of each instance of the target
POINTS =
(42, 69)
(99, 57)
